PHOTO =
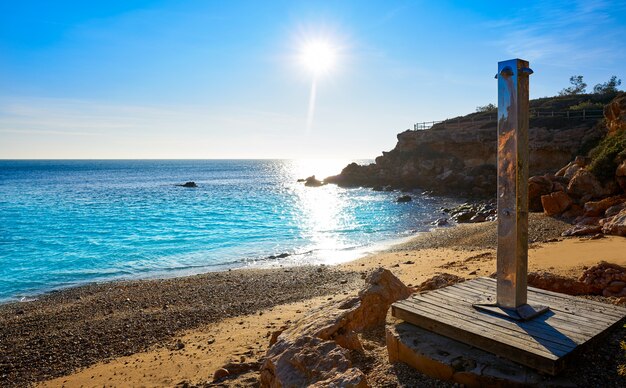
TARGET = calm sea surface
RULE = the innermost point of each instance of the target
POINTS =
(64, 223)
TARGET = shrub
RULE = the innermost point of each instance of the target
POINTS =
(605, 157)
(587, 105)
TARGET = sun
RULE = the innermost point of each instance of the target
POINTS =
(318, 56)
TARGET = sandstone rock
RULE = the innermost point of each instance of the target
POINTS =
(315, 350)
(601, 276)
(237, 368)
(557, 283)
(615, 114)
(439, 281)
(538, 186)
(616, 225)
(615, 209)
(582, 230)
(555, 203)
(570, 169)
(584, 184)
(615, 288)
(220, 374)
(597, 208)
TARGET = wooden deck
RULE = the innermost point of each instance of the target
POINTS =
(543, 343)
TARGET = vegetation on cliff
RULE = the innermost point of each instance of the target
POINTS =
(608, 155)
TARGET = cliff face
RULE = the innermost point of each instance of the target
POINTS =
(462, 160)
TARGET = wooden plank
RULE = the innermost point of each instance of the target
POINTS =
(565, 303)
(500, 346)
(479, 328)
(554, 318)
(540, 344)
(577, 323)
(616, 311)
(545, 331)
(519, 338)
(542, 329)
(570, 305)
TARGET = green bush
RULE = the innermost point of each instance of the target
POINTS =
(587, 105)
(604, 157)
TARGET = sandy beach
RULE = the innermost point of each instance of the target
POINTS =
(180, 331)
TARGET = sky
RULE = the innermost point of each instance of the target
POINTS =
(142, 79)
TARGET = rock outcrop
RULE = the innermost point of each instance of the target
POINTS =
(461, 159)
(315, 351)
(605, 279)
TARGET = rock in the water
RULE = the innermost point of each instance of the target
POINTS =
(404, 198)
(557, 283)
(440, 222)
(315, 350)
(555, 203)
(313, 182)
(188, 184)
(616, 225)
(439, 281)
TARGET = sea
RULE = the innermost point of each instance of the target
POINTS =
(65, 223)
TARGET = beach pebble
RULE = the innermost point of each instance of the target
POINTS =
(220, 374)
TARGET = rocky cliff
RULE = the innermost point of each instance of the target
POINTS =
(458, 157)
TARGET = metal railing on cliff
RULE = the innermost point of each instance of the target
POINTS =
(581, 114)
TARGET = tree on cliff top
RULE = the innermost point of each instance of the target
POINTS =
(609, 86)
(578, 86)
(486, 108)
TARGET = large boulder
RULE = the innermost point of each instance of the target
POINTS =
(597, 208)
(555, 203)
(537, 187)
(315, 351)
(585, 186)
(572, 167)
(616, 225)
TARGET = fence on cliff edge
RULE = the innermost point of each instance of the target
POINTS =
(582, 114)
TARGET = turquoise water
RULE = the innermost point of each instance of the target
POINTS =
(64, 223)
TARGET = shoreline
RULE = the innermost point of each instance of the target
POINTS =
(259, 264)
(86, 335)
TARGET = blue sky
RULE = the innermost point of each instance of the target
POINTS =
(220, 79)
